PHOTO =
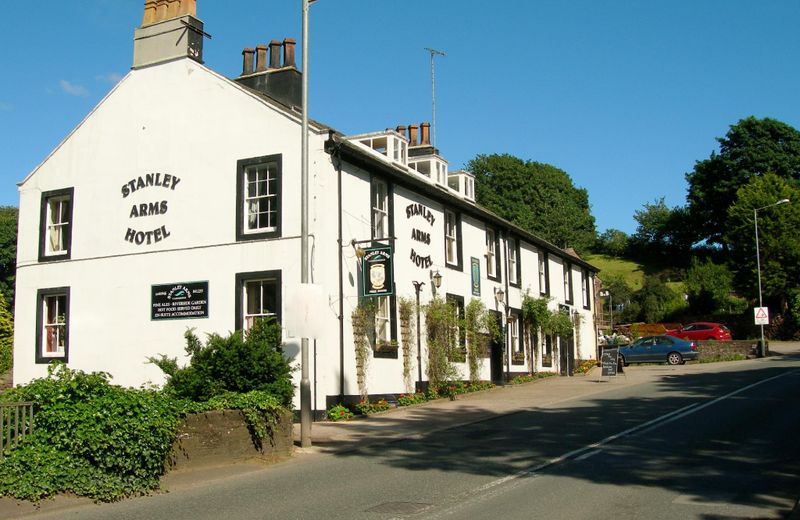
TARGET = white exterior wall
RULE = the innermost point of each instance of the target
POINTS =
(182, 119)
(178, 119)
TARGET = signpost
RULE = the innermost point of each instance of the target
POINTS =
(761, 315)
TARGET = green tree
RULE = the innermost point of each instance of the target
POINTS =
(657, 300)
(751, 148)
(6, 336)
(662, 231)
(537, 197)
(612, 242)
(778, 233)
(708, 286)
(8, 252)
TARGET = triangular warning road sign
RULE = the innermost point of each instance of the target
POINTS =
(760, 313)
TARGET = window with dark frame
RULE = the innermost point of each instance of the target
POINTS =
(258, 198)
(52, 325)
(258, 296)
(55, 229)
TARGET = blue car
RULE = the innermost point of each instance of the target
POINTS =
(658, 349)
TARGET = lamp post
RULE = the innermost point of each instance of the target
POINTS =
(500, 298)
(417, 289)
(761, 346)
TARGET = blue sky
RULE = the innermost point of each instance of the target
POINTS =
(624, 95)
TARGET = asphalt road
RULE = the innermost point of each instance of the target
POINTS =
(710, 442)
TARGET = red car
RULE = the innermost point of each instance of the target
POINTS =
(702, 330)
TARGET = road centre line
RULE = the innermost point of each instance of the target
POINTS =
(594, 448)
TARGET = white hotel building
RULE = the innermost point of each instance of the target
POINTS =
(175, 204)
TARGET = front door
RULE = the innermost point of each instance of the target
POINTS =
(496, 353)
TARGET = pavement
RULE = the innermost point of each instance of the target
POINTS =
(409, 423)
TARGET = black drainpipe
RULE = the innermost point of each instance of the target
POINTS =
(337, 161)
(510, 349)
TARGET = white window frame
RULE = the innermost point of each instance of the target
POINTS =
(511, 246)
(58, 223)
(52, 322)
(253, 210)
(451, 237)
(380, 209)
(249, 317)
(55, 240)
(513, 332)
(585, 289)
(542, 262)
(568, 294)
(491, 253)
(383, 322)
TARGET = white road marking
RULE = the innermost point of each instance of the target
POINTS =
(490, 489)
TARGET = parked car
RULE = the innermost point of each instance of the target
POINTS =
(703, 330)
(658, 349)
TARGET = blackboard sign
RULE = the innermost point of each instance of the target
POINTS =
(608, 362)
(178, 301)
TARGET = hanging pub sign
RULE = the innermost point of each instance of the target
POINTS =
(177, 301)
(475, 269)
(377, 271)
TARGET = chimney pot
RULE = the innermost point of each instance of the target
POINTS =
(288, 52)
(412, 135)
(261, 58)
(401, 129)
(425, 130)
(247, 61)
(275, 54)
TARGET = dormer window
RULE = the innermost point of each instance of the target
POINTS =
(390, 144)
(462, 182)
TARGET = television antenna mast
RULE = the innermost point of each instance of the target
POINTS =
(433, 52)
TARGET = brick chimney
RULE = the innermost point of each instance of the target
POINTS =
(425, 129)
(279, 80)
(412, 135)
(170, 30)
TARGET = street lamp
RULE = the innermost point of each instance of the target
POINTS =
(761, 346)
(500, 298)
(417, 289)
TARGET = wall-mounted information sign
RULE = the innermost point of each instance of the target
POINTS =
(177, 301)
(475, 269)
(377, 272)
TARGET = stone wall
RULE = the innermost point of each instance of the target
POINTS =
(221, 437)
(726, 349)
